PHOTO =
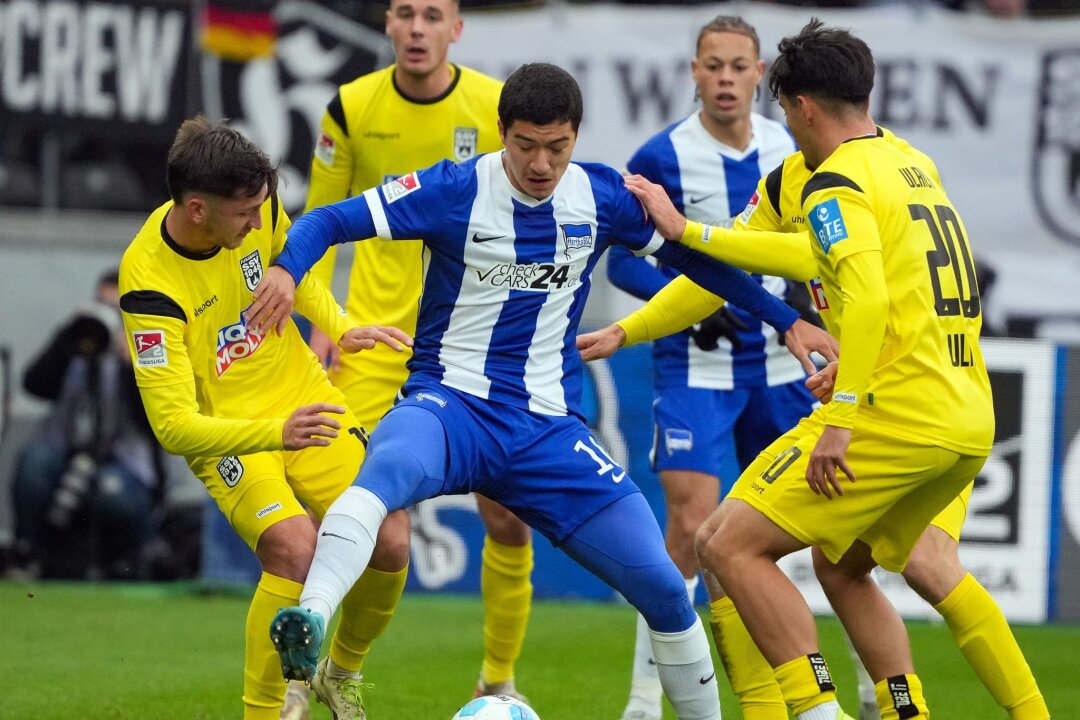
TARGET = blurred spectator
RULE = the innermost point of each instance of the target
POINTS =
(86, 487)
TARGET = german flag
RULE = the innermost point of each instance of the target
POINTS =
(239, 30)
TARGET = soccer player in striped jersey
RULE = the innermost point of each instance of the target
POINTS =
(934, 570)
(225, 395)
(713, 393)
(910, 416)
(378, 127)
(492, 403)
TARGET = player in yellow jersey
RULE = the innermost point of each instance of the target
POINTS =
(378, 127)
(910, 416)
(934, 570)
(252, 412)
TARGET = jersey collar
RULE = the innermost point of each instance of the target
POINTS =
(180, 249)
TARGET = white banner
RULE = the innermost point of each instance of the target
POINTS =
(996, 104)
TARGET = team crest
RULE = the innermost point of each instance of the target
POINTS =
(576, 237)
(465, 142)
(251, 266)
(1057, 152)
(231, 470)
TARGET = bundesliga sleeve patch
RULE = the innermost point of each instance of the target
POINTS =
(828, 224)
(150, 348)
(324, 149)
(400, 187)
(748, 211)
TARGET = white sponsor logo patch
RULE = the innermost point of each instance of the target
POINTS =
(850, 398)
(324, 149)
(268, 509)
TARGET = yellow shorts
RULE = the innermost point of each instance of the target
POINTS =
(952, 518)
(900, 486)
(255, 491)
(370, 386)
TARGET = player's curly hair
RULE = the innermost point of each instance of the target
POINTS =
(830, 64)
(213, 159)
(541, 93)
(729, 24)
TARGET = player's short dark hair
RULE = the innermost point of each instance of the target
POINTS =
(541, 94)
(729, 24)
(829, 64)
(213, 159)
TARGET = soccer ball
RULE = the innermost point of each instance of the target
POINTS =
(496, 707)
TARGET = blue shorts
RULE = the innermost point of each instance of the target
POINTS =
(693, 426)
(549, 470)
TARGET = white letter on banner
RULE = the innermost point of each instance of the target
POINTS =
(98, 60)
(20, 93)
(60, 58)
(148, 58)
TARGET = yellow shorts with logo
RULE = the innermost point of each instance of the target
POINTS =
(256, 491)
(900, 486)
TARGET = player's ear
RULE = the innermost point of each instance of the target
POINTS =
(197, 209)
(458, 25)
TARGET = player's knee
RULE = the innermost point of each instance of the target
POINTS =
(285, 549)
(660, 596)
(933, 572)
(391, 552)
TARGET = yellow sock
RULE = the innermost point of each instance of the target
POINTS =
(264, 687)
(901, 697)
(365, 612)
(805, 682)
(750, 674)
(507, 594)
(983, 635)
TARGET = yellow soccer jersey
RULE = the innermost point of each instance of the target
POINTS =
(897, 272)
(210, 385)
(371, 133)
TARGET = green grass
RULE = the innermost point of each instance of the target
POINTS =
(168, 651)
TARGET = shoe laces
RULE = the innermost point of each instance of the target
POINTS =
(352, 690)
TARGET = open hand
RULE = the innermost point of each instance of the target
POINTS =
(273, 301)
(364, 338)
(669, 222)
(821, 383)
(802, 339)
(829, 454)
(311, 425)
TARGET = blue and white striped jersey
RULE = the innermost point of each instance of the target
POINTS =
(505, 275)
(710, 182)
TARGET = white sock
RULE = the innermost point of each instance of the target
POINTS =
(824, 711)
(684, 664)
(691, 587)
(645, 689)
(346, 539)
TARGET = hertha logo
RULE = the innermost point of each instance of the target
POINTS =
(251, 267)
(465, 141)
(231, 470)
(1057, 152)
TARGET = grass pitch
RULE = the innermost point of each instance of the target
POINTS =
(165, 652)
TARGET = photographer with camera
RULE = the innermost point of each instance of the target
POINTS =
(86, 486)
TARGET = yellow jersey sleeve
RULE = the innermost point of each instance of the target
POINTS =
(314, 301)
(167, 385)
(783, 254)
(680, 304)
(331, 176)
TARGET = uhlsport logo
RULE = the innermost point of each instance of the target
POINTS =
(465, 143)
(251, 267)
(1056, 167)
(150, 348)
(235, 342)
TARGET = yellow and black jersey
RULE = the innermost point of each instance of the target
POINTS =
(372, 133)
(891, 270)
(211, 385)
(888, 242)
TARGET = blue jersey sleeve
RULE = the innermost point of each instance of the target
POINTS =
(730, 283)
(408, 207)
(634, 274)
